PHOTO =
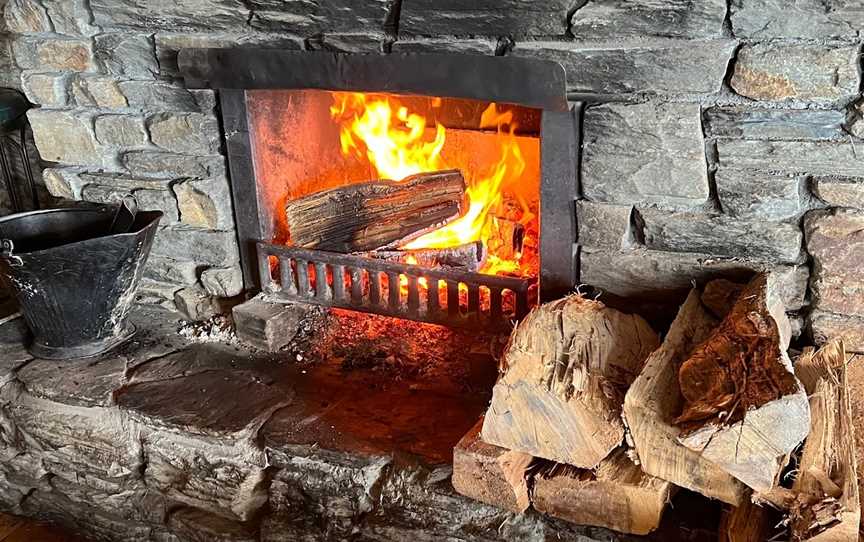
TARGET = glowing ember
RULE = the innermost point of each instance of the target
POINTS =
(399, 143)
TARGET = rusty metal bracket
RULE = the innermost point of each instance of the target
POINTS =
(435, 295)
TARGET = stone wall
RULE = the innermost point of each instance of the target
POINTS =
(719, 136)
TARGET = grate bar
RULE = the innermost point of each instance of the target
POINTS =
(359, 283)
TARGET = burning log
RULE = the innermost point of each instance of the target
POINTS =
(467, 257)
(654, 399)
(743, 409)
(377, 214)
(505, 238)
(826, 506)
(566, 369)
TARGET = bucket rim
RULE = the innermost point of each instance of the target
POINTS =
(156, 215)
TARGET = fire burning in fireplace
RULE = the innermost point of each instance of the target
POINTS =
(399, 142)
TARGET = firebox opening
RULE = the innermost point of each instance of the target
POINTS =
(304, 142)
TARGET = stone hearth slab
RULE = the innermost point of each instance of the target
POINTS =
(345, 434)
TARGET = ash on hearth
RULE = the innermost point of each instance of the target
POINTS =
(217, 329)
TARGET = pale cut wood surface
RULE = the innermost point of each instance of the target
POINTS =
(490, 474)
(374, 215)
(748, 522)
(827, 507)
(565, 372)
(654, 400)
(748, 408)
(617, 495)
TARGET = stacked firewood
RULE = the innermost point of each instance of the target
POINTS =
(375, 218)
(595, 421)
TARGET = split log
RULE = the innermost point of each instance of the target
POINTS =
(826, 507)
(743, 409)
(616, 495)
(378, 214)
(565, 372)
(491, 474)
(654, 399)
(748, 522)
(855, 378)
(467, 257)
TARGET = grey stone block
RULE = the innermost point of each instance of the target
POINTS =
(155, 95)
(222, 282)
(471, 46)
(662, 67)
(97, 91)
(816, 157)
(120, 130)
(173, 165)
(212, 248)
(195, 304)
(777, 124)
(47, 90)
(54, 54)
(826, 326)
(640, 18)
(157, 292)
(516, 18)
(366, 42)
(840, 191)
(650, 153)
(800, 19)
(835, 243)
(652, 274)
(23, 16)
(205, 203)
(759, 195)
(604, 226)
(65, 137)
(170, 270)
(61, 183)
(186, 133)
(810, 73)
(71, 17)
(268, 325)
(150, 200)
(171, 15)
(730, 237)
(126, 54)
(307, 18)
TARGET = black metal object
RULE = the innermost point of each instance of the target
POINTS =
(526, 82)
(13, 135)
(530, 82)
(375, 286)
(74, 281)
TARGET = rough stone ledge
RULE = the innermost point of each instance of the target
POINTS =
(171, 439)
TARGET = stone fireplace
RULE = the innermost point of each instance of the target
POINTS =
(669, 145)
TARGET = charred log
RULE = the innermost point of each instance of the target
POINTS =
(376, 214)
(468, 257)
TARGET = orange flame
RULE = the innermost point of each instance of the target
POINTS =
(398, 143)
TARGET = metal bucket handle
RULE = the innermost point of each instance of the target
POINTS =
(6, 248)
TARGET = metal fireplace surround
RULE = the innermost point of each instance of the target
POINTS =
(536, 84)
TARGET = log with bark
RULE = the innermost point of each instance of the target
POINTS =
(616, 495)
(467, 257)
(826, 506)
(855, 378)
(654, 399)
(375, 215)
(743, 408)
(564, 375)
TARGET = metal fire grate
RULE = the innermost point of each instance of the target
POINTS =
(420, 293)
